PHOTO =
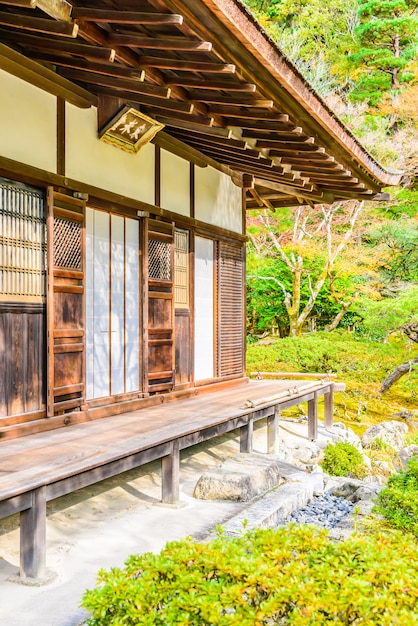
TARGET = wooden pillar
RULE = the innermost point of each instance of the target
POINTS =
(246, 436)
(170, 474)
(313, 418)
(329, 408)
(33, 537)
(273, 431)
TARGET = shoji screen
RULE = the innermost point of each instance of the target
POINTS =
(204, 308)
(112, 304)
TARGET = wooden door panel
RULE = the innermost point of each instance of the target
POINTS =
(65, 311)
(160, 326)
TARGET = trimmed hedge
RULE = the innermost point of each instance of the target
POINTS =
(292, 575)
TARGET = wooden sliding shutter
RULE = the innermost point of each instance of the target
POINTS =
(65, 303)
(160, 328)
(230, 319)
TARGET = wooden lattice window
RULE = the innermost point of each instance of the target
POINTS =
(181, 269)
(22, 242)
(159, 260)
(67, 244)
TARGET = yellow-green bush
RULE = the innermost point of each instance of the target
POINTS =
(293, 575)
(343, 459)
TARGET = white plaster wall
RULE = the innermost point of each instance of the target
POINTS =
(27, 123)
(175, 183)
(92, 161)
(204, 309)
(217, 200)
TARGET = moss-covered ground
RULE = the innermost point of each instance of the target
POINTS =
(360, 363)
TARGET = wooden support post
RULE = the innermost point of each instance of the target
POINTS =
(170, 474)
(246, 436)
(313, 418)
(329, 408)
(33, 537)
(273, 431)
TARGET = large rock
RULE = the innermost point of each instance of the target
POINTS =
(240, 479)
(355, 490)
(392, 433)
(301, 452)
(340, 432)
(407, 453)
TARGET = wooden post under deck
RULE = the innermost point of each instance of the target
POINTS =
(273, 431)
(170, 475)
(328, 408)
(33, 537)
(246, 437)
(313, 418)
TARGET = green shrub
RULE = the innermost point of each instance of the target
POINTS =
(293, 575)
(343, 459)
(412, 439)
(398, 501)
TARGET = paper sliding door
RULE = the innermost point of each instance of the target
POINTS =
(204, 309)
(112, 306)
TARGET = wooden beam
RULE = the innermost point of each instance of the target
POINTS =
(159, 43)
(39, 24)
(44, 78)
(246, 437)
(275, 137)
(313, 418)
(27, 4)
(186, 66)
(224, 138)
(84, 14)
(295, 191)
(175, 146)
(282, 149)
(234, 100)
(254, 113)
(171, 117)
(33, 537)
(121, 84)
(167, 104)
(215, 85)
(107, 69)
(58, 45)
(273, 431)
(170, 475)
(195, 127)
(58, 9)
(328, 408)
(310, 160)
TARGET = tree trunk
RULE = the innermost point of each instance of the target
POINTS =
(394, 376)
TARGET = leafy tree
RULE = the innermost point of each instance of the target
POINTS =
(315, 35)
(309, 243)
(387, 36)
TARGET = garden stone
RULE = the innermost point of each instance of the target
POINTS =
(346, 487)
(407, 453)
(365, 492)
(304, 452)
(393, 433)
(240, 479)
(341, 433)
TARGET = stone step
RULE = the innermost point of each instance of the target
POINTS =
(275, 506)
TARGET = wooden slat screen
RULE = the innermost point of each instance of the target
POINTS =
(22, 243)
(230, 295)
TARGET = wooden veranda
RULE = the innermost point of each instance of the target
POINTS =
(38, 468)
